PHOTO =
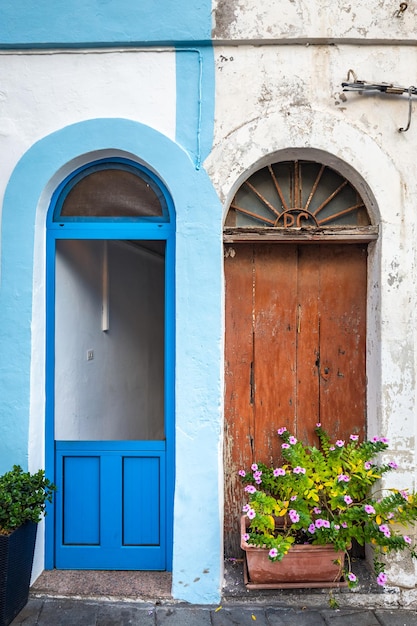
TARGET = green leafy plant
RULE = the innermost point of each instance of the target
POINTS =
(327, 495)
(23, 498)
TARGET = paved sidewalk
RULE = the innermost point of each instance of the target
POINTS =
(74, 612)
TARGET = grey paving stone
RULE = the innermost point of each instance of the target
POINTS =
(29, 614)
(67, 613)
(111, 614)
(239, 616)
(294, 617)
(396, 617)
(346, 617)
(182, 616)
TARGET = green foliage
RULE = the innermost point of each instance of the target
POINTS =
(327, 495)
(23, 497)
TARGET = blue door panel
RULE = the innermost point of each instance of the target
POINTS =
(81, 500)
(141, 501)
(110, 510)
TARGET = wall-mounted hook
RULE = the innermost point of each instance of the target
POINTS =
(351, 74)
(361, 87)
(400, 11)
(411, 90)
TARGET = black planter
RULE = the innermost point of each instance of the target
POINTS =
(16, 558)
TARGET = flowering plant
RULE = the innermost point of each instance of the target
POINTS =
(324, 496)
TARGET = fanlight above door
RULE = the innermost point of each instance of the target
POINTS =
(297, 194)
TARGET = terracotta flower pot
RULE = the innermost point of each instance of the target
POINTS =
(304, 565)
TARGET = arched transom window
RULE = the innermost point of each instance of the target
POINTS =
(111, 190)
(298, 195)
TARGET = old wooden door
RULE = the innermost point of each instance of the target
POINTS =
(295, 352)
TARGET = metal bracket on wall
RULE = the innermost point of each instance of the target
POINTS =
(360, 86)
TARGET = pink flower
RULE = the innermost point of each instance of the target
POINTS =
(242, 473)
(273, 553)
(332, 448)
(352, 577)
(369, 509)
(299, 470)
(367, 465)
(285, 445)
(292, 440)
(316, 510)
(381, 579)
(354, 437)
(246, 508)
(348, 499)
(344, 525)
(281, 431)
(251, 514)
(250, 489)
(384, 529)
(340, 443)
(254, 467)
(245, 537)
(294, 517)
(407, 539)
(318, 425)
(393, 465)
(279, 471)
(343, 478)
(293, 498)
(312, 529)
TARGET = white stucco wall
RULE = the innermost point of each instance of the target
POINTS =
(43, 91)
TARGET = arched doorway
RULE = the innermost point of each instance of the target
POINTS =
(110, 430)
(296, 238)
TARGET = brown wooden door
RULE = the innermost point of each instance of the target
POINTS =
(295, 353)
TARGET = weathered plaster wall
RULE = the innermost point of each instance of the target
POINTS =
(308, 20)
(286, 101)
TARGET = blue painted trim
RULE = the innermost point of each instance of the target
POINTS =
(195, 101)
(89, 23)
(170, 417)
(127, 165)
(197, 329)
(103, 229)
(89, 446)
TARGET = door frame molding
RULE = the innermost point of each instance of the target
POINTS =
(124, 229)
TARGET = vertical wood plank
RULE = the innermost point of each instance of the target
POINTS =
(308, 342)
(343, 288)
(239, 428)
(275, 318)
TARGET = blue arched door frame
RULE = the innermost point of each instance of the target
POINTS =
(114, 229)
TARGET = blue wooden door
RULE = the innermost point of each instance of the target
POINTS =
(111, 505)
(110, 370)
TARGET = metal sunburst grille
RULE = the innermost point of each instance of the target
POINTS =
(294, 194)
